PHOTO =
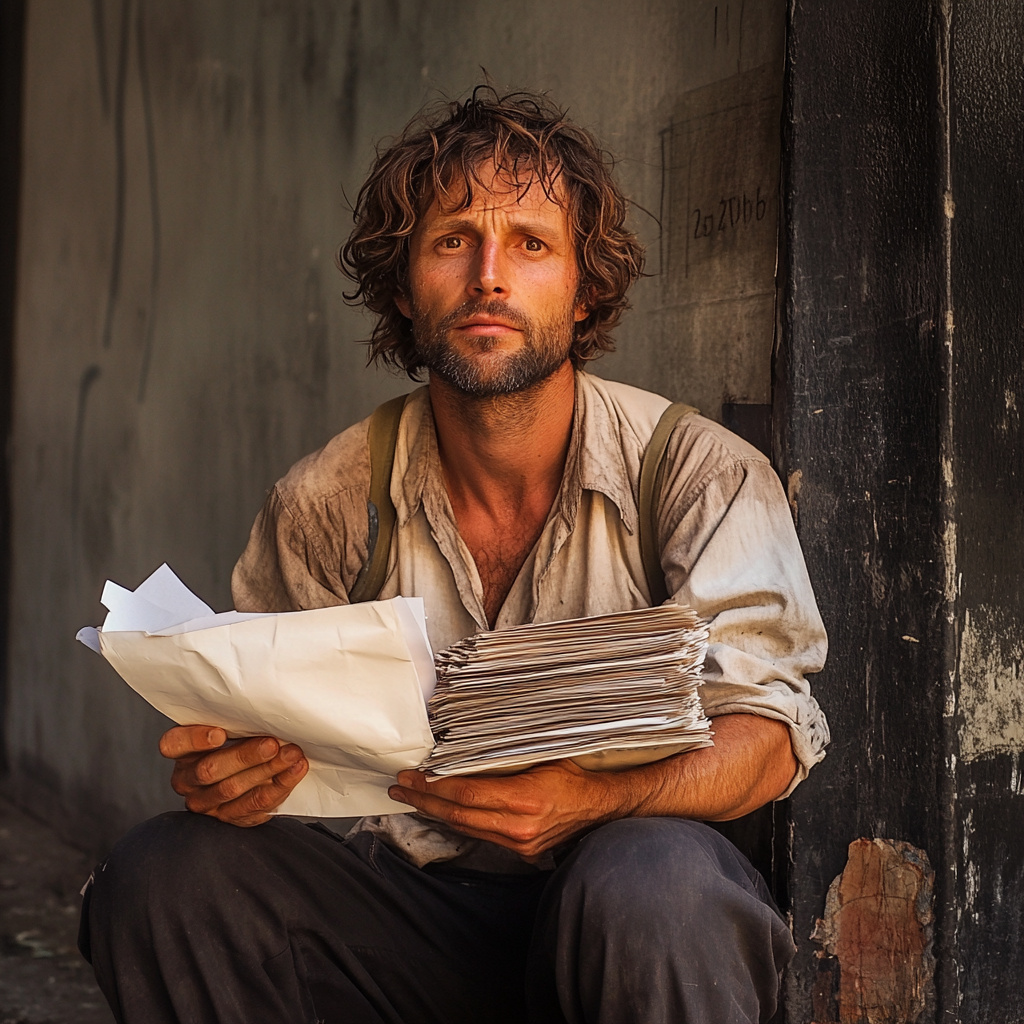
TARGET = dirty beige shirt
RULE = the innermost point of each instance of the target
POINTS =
(728, 546)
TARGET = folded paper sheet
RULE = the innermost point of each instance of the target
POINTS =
(348, 684)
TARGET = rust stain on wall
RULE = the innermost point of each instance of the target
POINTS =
(876, 935)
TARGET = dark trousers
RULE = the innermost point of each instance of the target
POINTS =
(655, 920)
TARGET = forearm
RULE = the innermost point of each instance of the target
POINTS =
(750, 764)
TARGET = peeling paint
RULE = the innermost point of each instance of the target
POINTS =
(877, 927)
(991, 694)
(1016, 778)
(972, 884)
(793, 485)
(949, 557)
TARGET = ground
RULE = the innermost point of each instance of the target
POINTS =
(43, 978)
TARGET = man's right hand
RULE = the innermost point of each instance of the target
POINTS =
(240, 783)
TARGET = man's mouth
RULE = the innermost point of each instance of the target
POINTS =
(485, 326)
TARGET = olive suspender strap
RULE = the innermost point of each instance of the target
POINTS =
(652, 473)
(382, 440)
(380, 509)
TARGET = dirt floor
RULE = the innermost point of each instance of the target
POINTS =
(43, 979)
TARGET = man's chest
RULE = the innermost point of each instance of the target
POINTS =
(499, 547)
(584, 562)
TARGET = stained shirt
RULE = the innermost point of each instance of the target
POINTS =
(727, 542)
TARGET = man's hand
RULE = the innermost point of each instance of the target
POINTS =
(240, 783)
(529, 813)
(750, 764)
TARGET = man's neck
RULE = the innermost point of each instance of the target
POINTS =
(502, 459)
(501, 450)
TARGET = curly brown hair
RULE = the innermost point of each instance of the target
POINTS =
(438, 155)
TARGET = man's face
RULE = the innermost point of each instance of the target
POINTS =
(492, 289)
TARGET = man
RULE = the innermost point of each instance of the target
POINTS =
(490, 243)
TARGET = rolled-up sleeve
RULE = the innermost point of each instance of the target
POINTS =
(730, 551)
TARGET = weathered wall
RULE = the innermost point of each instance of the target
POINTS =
(899, 382)
(860, 414)
(181, 334)
(12, 34)
(987, 472)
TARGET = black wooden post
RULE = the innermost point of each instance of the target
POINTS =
(899, 385)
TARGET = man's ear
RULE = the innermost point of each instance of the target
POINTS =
(582, 308)
(404, 305)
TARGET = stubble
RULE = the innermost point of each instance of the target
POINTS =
(545, 348)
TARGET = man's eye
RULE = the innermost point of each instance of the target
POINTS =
(452, 243)
(534, 245)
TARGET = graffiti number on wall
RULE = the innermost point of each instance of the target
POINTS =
(731, 214)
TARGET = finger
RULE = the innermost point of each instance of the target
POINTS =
(183, 740)
(203, 797)
(526, 836)
(457, 815)
(414, 778)
(254, 806)
(512, 793)
(222, 764)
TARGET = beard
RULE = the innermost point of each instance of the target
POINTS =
(546, 346)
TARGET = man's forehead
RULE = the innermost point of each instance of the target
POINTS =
(506, 190)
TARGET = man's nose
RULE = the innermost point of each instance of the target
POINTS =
(491, 277)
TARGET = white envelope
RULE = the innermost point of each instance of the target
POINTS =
(348, 684)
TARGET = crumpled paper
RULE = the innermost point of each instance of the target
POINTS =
(348, 684)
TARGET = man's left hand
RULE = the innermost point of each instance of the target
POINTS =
(529, 813)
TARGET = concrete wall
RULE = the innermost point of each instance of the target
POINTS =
(181, 337)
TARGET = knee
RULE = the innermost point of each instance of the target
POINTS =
(175, 853)
(162, 847)
(663, 914)
(654, 871)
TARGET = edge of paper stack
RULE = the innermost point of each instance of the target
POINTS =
(607, 691)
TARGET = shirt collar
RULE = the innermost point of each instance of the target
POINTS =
(604, 455)
(609, 449)
(416, 457)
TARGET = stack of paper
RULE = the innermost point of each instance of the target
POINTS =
(607, 691)
(347, 684)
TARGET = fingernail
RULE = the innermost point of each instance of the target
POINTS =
(396, 794)
(268, 748)
(290, 755)
(295, 768)
(212, 736)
